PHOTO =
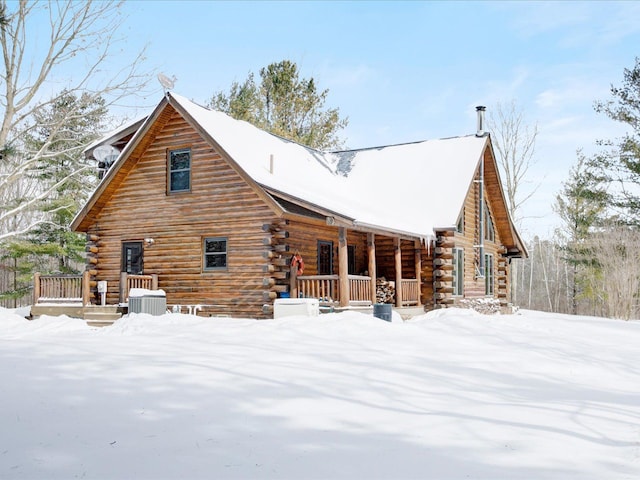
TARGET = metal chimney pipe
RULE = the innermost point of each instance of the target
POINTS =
(480, 111)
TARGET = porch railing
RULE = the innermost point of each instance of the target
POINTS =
(410, 292)
(360, 290)
(326, 288)
(322, 287)
(61, 288)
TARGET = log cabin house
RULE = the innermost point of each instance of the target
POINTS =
(219, 213)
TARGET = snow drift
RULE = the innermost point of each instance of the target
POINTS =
(452, 394)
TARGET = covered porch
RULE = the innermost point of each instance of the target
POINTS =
(350, 290)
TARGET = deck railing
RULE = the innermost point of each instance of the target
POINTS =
(77, 288)
(128, 281)
(410, 292)
(326, 289)
(61, 288)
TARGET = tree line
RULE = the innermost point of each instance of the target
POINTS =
(591, 265)
(44, 176)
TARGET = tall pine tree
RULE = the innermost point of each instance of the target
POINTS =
(621, 165)
(581, 205)
(284, 104)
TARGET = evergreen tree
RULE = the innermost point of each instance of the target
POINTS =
(20, 259)
(621, 165)
(82, 36)
(581, 205)
(285, 105)
(82, 118)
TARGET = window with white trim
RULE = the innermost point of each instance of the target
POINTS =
(214, 252)
(458, 271)
(488, 274)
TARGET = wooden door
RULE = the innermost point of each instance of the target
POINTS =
(325, 257)
(132, 258)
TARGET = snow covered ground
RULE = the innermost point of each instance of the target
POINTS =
(449, 395)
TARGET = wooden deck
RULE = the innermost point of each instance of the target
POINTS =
(70, 295)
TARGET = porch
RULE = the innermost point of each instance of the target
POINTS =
(346, 289)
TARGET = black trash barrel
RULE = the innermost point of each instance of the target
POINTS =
(382, 311)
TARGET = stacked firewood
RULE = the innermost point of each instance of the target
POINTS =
(385, 291)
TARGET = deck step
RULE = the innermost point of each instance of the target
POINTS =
(99, 316)
(99, 323)
(102, 316)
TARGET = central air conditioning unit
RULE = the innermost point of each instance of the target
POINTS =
(152, 302)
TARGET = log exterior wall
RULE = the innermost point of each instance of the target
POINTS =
(474, 285)
(220, 204)
(260, 239)
(304, 237)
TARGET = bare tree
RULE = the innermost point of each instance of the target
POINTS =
(543, 280)
(514, 141)
(77, 33)
(617, 251)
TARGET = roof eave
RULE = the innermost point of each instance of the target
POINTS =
(113, 137)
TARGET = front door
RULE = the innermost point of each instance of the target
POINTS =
(132, 258)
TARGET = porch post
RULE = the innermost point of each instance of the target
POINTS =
(36, 287)
(418, 262)
(293, 280)
(123, 287)
(86, 288)
(398, 258)
(343, 267)
(371, 251)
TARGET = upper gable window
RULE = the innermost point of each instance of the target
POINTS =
(489, 231)
(460, 224)
(179, 166)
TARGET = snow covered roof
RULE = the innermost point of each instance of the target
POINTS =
(412, 188)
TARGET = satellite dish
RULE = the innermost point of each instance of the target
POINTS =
(106, 153)
(166, 82)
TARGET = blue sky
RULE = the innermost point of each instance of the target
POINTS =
(406, 71)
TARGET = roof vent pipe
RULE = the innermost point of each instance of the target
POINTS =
(271, 164)
(480, 111)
